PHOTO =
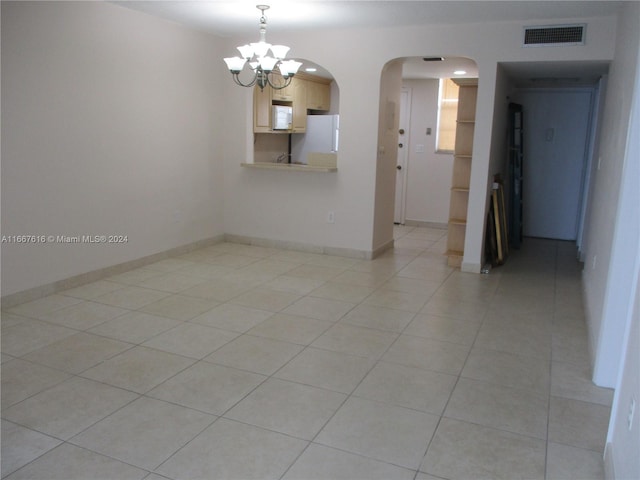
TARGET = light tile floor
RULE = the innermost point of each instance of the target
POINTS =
(241, 362)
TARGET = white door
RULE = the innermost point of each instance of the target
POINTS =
(403, 145)
(556, 133)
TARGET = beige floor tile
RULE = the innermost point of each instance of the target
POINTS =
(378, 317)
(445, 329)
(321, 463)
(363, 279)
(92, 290)
(69, 407)
(297, 285)
(78, 352)
(205, 270)
(266, 299)
(515, 410)
(427, 353)
(514, 338)
(426, 288)
(83, 316)
(43, 306)
(579, 424)
(11, 319)
(169, 265)
(383, 297)
(207, 387)
(29, 335)
(384, 432)
(508, 370)
(270, 266)
(179, 307)
(21, 445)
(133, 277)
(464, 450)
(172, 282)
(571, 348)
(22, 379)
(134, 327)
(522, 319)
(354, 340)
(287, 407)
(145, 433)
(342, 292)
(407, 387)
(232, 260)
(574, 381)
(315, 272)
(455, 308)
(291, 328)
(233, 450)
(131, 297)
(326, 369)
(139, 369)
(319, 308)
(565, 463)
(191, 340)
(232, 317)
(220, 289)
(255, 354)
(68, 462)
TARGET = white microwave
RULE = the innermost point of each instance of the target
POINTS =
(282, 117)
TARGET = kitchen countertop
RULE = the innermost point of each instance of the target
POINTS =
(292, 167)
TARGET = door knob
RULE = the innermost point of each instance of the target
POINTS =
(399, 167)
(401, 131)
(400, 145)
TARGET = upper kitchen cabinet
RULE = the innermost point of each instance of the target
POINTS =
(318, 94)
(304, 93)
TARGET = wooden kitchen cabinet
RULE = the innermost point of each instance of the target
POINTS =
(261, 110)
(299, 88)
(304, 93)
(318, 95)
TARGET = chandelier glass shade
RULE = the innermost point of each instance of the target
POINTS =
(263, 65)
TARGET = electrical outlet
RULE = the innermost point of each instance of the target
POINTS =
(593, 262)
(632, 411)
(331, 217)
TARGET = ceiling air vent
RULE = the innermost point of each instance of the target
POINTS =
(554, 35)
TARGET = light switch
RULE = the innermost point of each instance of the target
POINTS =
(429, 131)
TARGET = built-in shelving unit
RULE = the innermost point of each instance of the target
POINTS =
(461, 176)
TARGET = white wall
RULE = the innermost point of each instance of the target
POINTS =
(428, 173)
(294, 206)
(109, 126)
(611, 230)
(623, 439)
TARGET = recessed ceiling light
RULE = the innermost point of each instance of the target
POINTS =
(459, 72)
(310, 69)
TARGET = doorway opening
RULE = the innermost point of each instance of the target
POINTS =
(560, 114)
(423, 172)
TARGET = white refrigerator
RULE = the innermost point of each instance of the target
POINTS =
(321, 136)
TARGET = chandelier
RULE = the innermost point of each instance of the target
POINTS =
(263, 65)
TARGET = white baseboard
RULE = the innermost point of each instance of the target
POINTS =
(301, 247)
(609, 470)
(420, 223)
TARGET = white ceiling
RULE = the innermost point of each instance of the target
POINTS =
(240, 17)
(228, 18)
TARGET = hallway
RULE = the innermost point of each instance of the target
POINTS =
(240, 362)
